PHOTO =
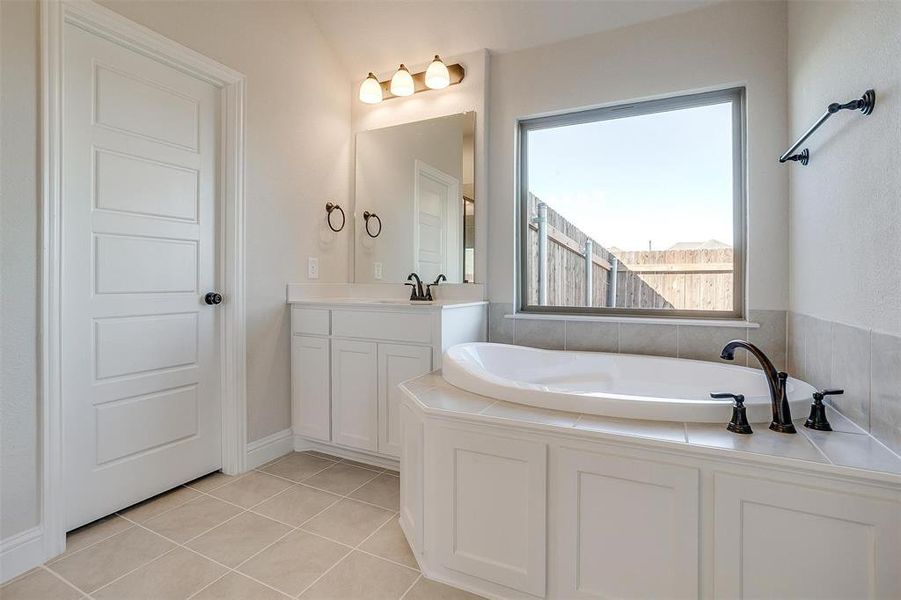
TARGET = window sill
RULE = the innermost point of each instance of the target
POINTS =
(635, 320)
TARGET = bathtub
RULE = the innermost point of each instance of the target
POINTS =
(615, 385)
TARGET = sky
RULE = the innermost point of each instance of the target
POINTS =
(661, 178)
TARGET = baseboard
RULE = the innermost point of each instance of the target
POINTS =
(21, 552)
(273, 446)
(301, 443)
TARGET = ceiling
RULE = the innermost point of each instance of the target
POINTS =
(377, 35)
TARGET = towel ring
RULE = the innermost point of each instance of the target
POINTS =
(329, 207)
(371, 215)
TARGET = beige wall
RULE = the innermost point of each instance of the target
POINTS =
(845, 208)
(729, 44)
(18, 267)
(298, 152)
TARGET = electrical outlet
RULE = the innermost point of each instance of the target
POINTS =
(377, 270)
(312, 267)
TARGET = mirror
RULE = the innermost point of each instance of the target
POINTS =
(415, 201)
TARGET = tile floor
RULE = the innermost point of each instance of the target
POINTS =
(307, 525)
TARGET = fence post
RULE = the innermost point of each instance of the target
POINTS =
(611, 282)
(589, 281)
(542, 253)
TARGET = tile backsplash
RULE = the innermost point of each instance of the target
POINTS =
(682, 341)
(865, 363)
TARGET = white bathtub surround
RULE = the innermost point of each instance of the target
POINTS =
(615, 385)
(659, 337)
(349, 353)
(866, 363)
(511, 501)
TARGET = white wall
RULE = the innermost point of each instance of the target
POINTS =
(298, 156)
(384, 184)
(846, 204)
(18, 267)
(298, 149)
(730, 44)
(469, 95)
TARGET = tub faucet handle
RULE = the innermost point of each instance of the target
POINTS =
(817, 419)
(739, 422)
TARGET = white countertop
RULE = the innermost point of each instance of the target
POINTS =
(384, 303)
(847, 450)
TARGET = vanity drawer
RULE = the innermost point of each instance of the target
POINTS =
(313, 321)
(383, 325)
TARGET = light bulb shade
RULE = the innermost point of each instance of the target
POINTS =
(436, 76)
(402, 82)
(371, 90)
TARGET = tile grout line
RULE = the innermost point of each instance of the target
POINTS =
(343, 558)
(63, 579)
(244, 510)
(412, 585)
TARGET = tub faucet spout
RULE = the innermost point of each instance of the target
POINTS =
(776, 381)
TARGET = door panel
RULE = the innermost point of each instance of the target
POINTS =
(140, 349)
(355, 394)
(310, 386)
(397, 363)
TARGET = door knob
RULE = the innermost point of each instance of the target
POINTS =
(213, 298)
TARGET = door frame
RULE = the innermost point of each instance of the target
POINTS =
(110, 25)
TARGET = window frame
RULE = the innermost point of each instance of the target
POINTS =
(735, 95)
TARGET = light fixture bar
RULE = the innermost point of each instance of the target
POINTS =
(455, 71)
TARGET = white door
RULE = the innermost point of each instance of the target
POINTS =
(311, 406)
(355, 394)
(397, 363)
(438, 215)
(140, 348)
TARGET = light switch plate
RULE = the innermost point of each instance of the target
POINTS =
(312, 267)
(377, 270)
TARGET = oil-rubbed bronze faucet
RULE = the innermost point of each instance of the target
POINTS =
(776, 380)
(417, 293)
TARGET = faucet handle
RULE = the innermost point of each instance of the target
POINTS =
(739, 422)
(817, 419)
(413, 294)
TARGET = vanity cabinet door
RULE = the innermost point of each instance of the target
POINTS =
(355, 394)
(397, 363)
(778, 540)
(310, 403)
(622, 527)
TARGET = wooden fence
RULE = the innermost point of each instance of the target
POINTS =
(682, 279)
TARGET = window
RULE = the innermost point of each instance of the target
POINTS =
(635, 209)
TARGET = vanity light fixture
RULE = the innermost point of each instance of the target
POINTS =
(371, 90)
(402, 82)
(437, 76)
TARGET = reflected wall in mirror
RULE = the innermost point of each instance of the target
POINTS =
(419, 179)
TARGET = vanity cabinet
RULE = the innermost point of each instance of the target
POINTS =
(348, 359)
